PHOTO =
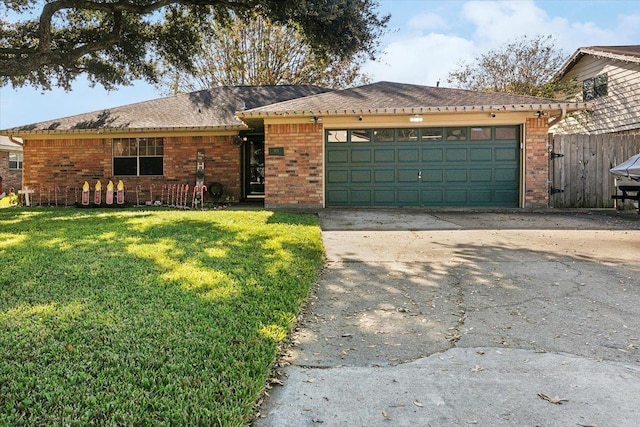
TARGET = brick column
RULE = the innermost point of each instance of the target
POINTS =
(536, 163)
(293, 171)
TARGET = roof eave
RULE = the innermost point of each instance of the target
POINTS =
(13, 132)
(510, 108)
(578, 54)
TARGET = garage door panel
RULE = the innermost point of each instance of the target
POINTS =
(408, 175)
(456, 196)
(338, 197)
(337, 156)
(384, 197)
(481, 175)
(481, 154)
(508, 154)
(337, 176)
(432, 155)
(456, 175)
(456, 154)
(361, 197)
(361, 176)
(432, 176)
(384, 176)
(361, 156)
(506, 175)
(481, 197)
(506, 197)
(432, 196)
(384, 155)
(408, 155)
(409, 197)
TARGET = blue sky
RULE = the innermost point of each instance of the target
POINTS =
(428, 38)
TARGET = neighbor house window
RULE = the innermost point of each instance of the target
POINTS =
(15, 161)
(138, 156)
(595, 87)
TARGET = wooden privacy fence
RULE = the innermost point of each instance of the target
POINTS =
(579, 168)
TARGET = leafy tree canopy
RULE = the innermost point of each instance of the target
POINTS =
(256, 51)
(524, 66)
(113, 42)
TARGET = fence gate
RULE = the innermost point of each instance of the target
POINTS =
(579, 168)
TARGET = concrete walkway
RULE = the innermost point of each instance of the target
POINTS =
(428, 318)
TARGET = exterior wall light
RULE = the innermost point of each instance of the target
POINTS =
(416, 118)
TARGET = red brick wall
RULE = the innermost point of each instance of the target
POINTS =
(10, 177)
(294, 181)
(536, 163)
(62, 166)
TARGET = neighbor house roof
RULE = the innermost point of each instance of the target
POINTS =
(398, 98)
(206, 109)
(619, 53)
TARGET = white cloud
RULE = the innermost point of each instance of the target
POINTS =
(499, 22)
(421, 60)
(427, 21)
(629, 28)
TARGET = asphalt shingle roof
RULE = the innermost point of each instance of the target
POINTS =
(632, 50)
(214, 108)
(389, 97)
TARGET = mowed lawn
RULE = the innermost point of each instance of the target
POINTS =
(132, 317)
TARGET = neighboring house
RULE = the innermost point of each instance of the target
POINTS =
(609, 77)
(10, 165)
(383, 144)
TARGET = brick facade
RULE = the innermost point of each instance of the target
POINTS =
(10, 177)
(295, 179)
(536, 165)
(57, 168)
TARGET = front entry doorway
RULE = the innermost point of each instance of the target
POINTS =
(253, 167)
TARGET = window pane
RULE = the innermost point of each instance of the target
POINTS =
(383, 135)
(480, 134)
(600, 85)
(124, 147)
(407, 135)
(588, 92)
(456, 134)
(334, 136)
(506, 133)
(159, 147)
(151, 166)
(361, 135)
(119, 147)
(144, 147)
(432, 134)
(15, 161)
(125, 166)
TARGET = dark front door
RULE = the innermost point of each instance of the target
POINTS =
(254, 168)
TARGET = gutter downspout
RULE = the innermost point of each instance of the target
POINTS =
(563, 114)
(15, 141)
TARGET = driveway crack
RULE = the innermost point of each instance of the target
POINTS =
(455, 332)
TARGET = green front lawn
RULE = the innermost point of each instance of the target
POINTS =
(131, 317)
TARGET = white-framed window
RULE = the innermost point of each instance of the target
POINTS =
(138, 156)
(15, 161)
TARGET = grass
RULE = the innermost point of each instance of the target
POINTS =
(146, 317)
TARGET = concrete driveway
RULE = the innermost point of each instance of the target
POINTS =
(426, 318)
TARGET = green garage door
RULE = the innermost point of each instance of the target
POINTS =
(455, 166)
